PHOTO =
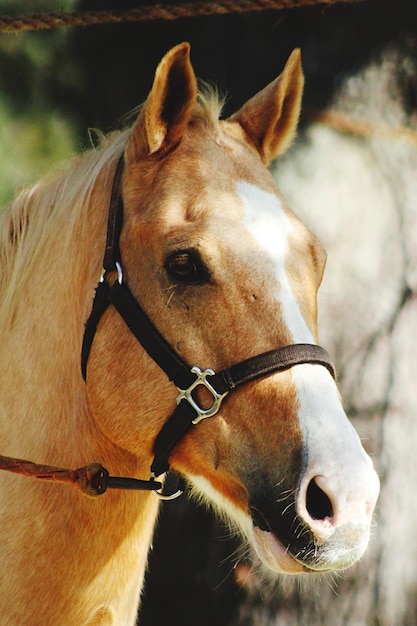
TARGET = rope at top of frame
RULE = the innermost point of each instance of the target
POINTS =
(198, 8)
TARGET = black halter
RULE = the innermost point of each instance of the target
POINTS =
(186, 378)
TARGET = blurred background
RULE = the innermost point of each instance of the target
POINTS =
(351, 175)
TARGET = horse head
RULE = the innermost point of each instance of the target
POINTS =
(226, 271)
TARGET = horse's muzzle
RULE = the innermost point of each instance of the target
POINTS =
(320, 526)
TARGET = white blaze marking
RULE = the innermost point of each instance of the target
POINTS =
(268, 223)
(334, 448)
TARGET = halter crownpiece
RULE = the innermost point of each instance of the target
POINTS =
(187, 412)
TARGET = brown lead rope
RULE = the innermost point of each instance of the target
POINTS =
(92, 480)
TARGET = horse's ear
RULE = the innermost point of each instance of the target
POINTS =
(270, 118)
(168, 108)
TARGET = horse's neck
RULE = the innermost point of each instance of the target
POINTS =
(67, 559)
(42, 392)
(44, 418)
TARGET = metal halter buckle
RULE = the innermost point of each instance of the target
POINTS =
(186, 394)
(162, 496)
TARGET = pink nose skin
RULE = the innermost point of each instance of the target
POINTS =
(339, 502)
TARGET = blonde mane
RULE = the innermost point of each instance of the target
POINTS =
(45, 211)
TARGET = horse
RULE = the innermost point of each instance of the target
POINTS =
(205, 261)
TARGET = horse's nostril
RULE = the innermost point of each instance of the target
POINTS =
(318, 504)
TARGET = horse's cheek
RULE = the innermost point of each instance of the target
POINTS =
(255, 441)
(128, 395)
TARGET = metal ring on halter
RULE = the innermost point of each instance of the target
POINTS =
(162, 496)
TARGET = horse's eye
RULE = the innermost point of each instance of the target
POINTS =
(186, 267)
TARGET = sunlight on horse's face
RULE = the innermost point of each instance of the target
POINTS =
(226, 272)
(296, 256)
(259, 269)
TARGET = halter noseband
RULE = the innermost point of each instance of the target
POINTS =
(186, 378)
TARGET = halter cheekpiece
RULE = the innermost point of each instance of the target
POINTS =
(187, 412)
